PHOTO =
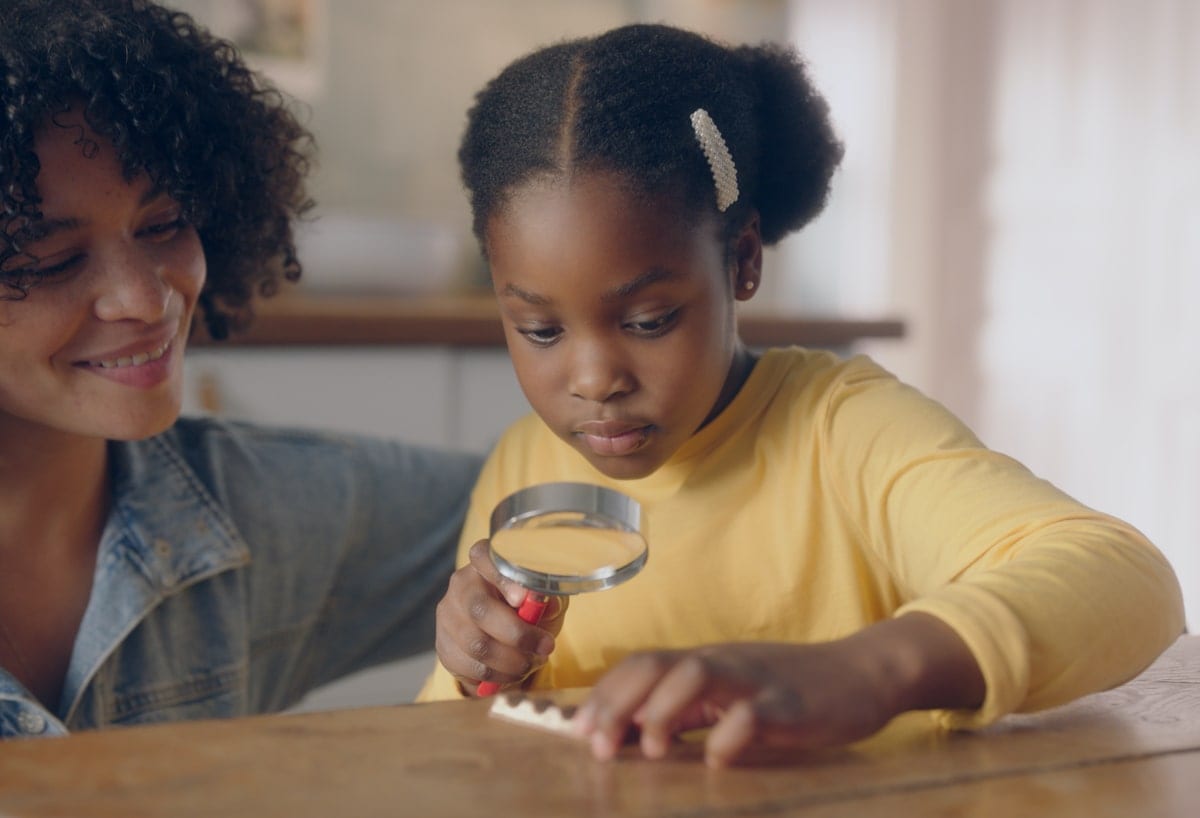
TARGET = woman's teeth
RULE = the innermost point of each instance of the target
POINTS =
(134, 360)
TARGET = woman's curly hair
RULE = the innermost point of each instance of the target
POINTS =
(177, 104)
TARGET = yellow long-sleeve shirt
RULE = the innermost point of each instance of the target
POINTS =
(828, 496)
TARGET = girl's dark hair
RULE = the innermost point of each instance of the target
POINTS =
(177, 104)
(622, 102)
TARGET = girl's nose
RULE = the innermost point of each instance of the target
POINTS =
(599, 373)
(132, 287)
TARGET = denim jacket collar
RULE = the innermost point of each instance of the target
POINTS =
(163, 533)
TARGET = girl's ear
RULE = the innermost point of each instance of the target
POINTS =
(747, 260)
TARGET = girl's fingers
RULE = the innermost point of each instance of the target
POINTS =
(733, 733)
(537, 640)
(776, 717)
(488, 598)
(471, 654)
(480, 637)
(481, 560)
(675, 703)
(608, 713)
(665, 693)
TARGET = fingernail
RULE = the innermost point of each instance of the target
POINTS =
(653, 746)
(583, 721)
(602, 748)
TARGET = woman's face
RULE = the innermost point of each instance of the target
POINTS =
(96, 347)
(618, 315)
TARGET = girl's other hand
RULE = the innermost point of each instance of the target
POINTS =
(770, 695)
(479, 635)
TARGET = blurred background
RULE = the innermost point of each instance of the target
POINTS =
(1021, 188)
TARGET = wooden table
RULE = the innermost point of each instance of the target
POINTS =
(1133, 751)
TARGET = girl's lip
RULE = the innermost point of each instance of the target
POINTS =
(614, 440)
(609, 428)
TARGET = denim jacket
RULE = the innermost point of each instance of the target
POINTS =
(240, 567)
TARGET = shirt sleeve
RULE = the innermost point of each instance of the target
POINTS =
(1054, 600)
(401, 514)
(22, 715)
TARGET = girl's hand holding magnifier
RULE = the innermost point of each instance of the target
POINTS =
(479, 635)
(497, 621)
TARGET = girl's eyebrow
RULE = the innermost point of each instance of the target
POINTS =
(524, 295)
(652, 276)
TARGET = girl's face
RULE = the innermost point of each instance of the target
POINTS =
(619, 316)
(96, 347)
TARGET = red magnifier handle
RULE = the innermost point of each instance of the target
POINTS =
(531, 610)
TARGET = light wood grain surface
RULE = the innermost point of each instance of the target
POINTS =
(1132, 751)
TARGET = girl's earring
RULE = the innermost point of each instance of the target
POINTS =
(747, 285)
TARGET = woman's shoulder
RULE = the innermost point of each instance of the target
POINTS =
(209, 437)
(198, 432)
(276, 484)
(239, 454)
(209, 444)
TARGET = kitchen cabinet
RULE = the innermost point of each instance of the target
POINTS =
(440, 396)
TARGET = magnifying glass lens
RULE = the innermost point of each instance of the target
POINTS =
(567, 549)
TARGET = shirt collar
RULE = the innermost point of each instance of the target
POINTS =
(168, 520)
(165, 532)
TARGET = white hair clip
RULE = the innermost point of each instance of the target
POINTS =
(717, 153)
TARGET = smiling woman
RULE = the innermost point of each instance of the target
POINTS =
(113, 272)
(151, 567)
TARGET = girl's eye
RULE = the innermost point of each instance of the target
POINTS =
(654, 327)
(541, 336)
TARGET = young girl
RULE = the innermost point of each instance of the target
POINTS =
(828, 547)
(154, 568)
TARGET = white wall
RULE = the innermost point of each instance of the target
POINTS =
(1090, 354)
(1043, 183)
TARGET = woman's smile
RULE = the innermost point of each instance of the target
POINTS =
(140, 370)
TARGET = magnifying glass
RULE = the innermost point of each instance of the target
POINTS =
(557, 539)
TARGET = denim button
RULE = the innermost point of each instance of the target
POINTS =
(31, 722)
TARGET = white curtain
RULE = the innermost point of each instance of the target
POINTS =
(1090, 353)
(1022, 185)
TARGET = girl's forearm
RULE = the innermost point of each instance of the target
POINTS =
(922, 663)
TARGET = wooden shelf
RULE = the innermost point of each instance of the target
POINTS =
(473, 321)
